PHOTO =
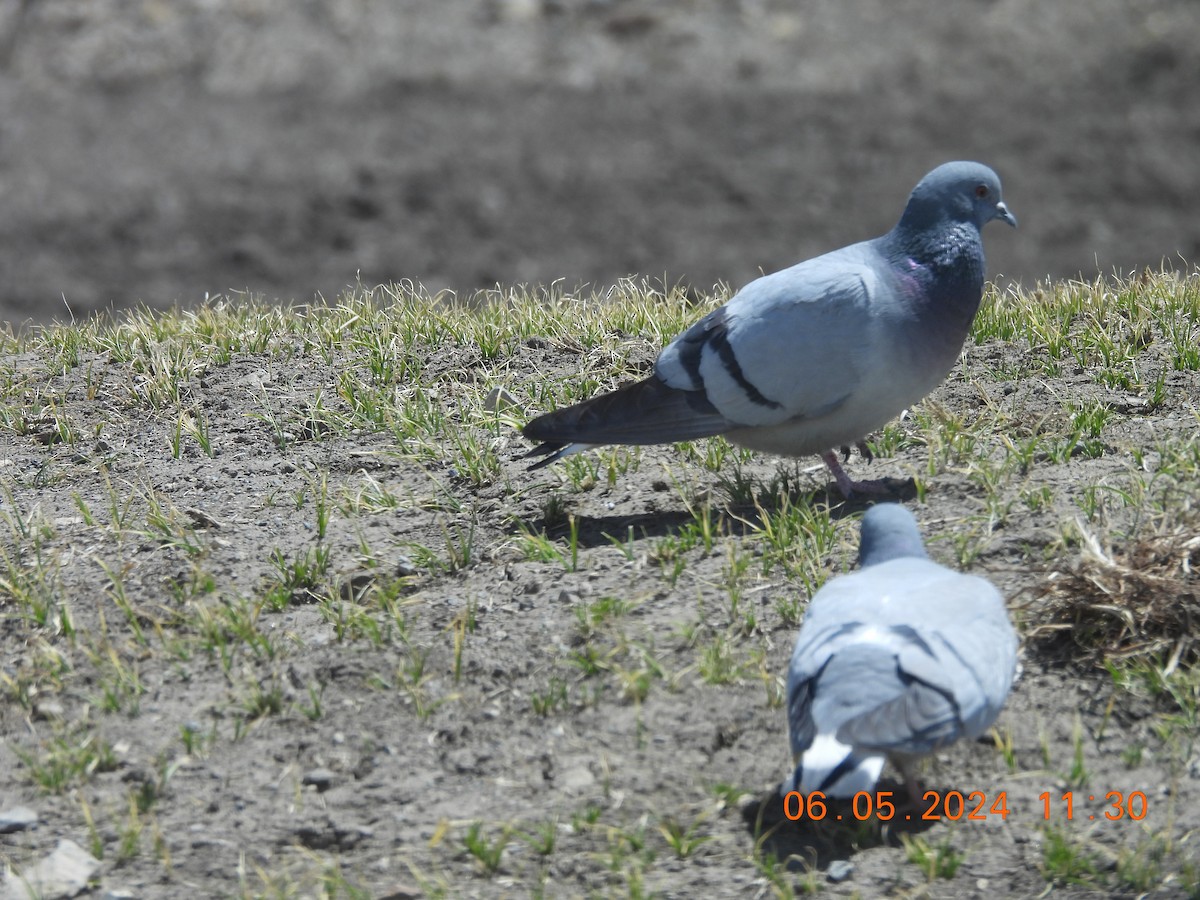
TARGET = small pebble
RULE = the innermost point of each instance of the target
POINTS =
(64, 873)
(839, 870)
(17, 819)
(498, 399)
(322, 779)
(48, 709)
(575, 780)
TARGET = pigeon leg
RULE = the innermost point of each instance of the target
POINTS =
(844, 482)
(848, 486)
(907, 769)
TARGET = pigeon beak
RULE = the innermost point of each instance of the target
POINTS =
(1003, 213)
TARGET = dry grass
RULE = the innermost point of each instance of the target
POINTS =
(1139, 600)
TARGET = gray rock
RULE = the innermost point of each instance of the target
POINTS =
(17, 819)
(839, 870)
(49, 709)
(64, 873)
(498, 399)
(322, 779)
(576, 779)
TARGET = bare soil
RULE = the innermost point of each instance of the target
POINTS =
(409, 771)
(155, 152)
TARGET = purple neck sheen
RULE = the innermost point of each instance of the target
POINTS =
(946, 265)
(912, 277)
(941, 274)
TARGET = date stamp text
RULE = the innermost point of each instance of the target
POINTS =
(974, 806)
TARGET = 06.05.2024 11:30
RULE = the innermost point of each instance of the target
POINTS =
(954, 805)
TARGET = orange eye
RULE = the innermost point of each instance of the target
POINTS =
(981, 191)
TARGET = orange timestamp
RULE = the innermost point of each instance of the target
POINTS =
(953, 805)
(1118, 805)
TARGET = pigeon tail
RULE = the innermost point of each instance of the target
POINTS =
(836, 769)
(552, 452)
(920, 720)
(645, 412)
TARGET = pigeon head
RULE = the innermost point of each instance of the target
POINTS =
(956, 192)
(889, 531)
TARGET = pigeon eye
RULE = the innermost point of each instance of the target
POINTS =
(981, 191)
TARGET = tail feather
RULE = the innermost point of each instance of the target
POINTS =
(645, 412)
(551, 452)
(920, 720)
(836, 769)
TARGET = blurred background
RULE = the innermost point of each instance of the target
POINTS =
(157, 151)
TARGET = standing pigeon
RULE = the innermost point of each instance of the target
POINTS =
(897, 659)
(819, 355)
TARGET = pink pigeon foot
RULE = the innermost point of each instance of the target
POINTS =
(879, 487)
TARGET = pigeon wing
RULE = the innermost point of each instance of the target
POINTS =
(953, 658)
(776, 351)
(788, 345)
(922, 714)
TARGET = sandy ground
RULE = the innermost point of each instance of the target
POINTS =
(605, 697)
(155, 152)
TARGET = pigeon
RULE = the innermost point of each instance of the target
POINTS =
(895, 660)
(818, 355)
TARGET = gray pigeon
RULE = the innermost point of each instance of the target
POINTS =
(816, 356)
(897, 659)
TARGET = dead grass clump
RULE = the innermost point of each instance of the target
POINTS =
(1139, 601)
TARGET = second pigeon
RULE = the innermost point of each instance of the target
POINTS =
(895, 660)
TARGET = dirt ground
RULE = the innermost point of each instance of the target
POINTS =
(155, 152)
(586, 696)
